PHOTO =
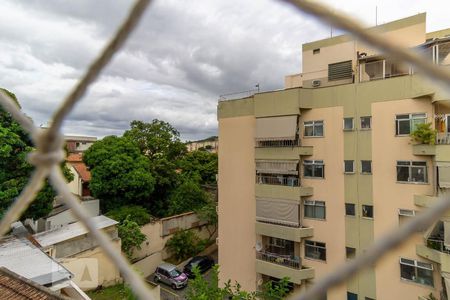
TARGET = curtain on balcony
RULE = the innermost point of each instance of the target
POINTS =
(444, 174)
(276, 128)
(277, 211)
(277, 166)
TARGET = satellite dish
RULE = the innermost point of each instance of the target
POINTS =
(258, 246)
(259, 282)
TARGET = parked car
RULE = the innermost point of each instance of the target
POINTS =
(168, 274)
(204, 263)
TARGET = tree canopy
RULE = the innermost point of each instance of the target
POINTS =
(15, 171)
(187, 196)
(119, 173)
(200, 165)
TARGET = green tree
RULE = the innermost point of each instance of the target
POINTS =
(136, 214)
(131, 236)
(188, 196)
(200, 165)
(208, 213)
(184, 244)
(160, 143)
(119, 173)
(15, 170)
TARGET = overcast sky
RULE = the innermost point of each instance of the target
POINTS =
(184, 55)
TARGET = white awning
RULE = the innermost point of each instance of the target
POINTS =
(277, 166)
(277, 211)
(276, 128)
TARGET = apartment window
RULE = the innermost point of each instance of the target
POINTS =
(352, 296)
(416, 271)
(366, 167)
(407, 123)
(366, 122)
(313, 168)
(349, 166)
(314, 209)
(350, 209)
(412, 171)
(316, 51)
(348, 124)
(350, 252)
(340, 70)
(404, 215)
(315, 250)
(367, 211)
(313, 128)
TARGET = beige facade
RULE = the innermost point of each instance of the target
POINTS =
(310, 176)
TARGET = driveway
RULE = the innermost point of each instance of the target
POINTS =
(167, 293)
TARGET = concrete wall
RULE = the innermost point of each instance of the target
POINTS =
(330, 149)
(237, 205)
(92, 268)
(75, 186)
(389, 196)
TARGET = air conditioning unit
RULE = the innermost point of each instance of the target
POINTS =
(316, 83)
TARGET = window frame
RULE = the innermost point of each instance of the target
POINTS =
(411, 118)
(315, 163)
(353, 124)
(315, 245)
(416, 265)
(363, 206)
(313, 124)
(410, 165)
(362, 171)
(361, 122)
(315, 204)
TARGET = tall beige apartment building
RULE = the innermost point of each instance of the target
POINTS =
(311, 175)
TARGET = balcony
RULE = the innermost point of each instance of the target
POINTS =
(377, 69)
(290, 233)
(279, 266)
(266, 190)
(281, 149)
(434, 255)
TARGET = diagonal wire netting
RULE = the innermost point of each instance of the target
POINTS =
(49, 151)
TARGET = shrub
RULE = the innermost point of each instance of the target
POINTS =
(136, 213)
(424, 134)
(131, 236)
(185, 244)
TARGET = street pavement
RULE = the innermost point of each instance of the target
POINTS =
(167, 293)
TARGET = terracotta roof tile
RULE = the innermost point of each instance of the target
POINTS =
(82, 170)
(74, 157)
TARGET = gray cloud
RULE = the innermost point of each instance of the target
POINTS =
(182, 57)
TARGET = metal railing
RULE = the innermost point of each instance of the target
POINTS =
(437, 244)
(382, 69)
(238, 95)
(278, 179)
(271, 143)
(283, 260)
(443, 138)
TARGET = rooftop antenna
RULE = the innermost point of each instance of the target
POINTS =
(376, 15)
(257, 86)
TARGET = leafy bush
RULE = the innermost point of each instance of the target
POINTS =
(424, 134)
(185, 244)
(131, 236)
(136, 213)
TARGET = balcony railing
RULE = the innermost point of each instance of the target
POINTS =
(382, 69)
(437, 244)
(279, 259)
(443, 138)
(270, 143)
(277, 180)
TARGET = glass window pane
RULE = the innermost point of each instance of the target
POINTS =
(366, 166)
(348, 123)
(400, 117)
(308, 130)
(318, 171)
(367, 211)
(365, 122)
(402, 173)
(322, 254)
(404, 127)
(308, 170)
(309, 211)
(419, 163)
(407, 272)
(348, 166)
(425, 276)
(349, 209)
(416, 122)
(320, 212)
(418, 174)
(318, 129)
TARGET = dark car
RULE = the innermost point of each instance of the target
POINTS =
(204, 263)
